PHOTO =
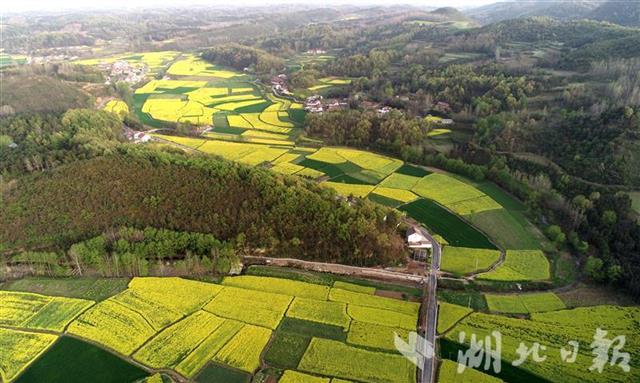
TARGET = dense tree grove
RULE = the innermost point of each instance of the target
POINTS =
(239, 57)
(127, 251)
(43, 141)
(285, 216)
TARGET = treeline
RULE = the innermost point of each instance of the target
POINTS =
(256, 208)
(602, 146)
(240, 57)
(64, 71)
(46, 40)
(127, 251)
(42, 141)
(394, 133)
(474, 90)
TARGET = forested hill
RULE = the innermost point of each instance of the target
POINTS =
(559, 9)
(140, 187)
(584, 41)
(618, 12)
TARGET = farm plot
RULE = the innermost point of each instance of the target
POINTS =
(524, 303)
(113, 325)
(555, 330)
(450, 314)
(332, 358)
(269, 124)
(507, 230)
(349, 189)
(366, 300)
(279, 286)
(195, 66)
(153, 60)
(90, 364)
(250, 306)
(460, 197)
(37, 311)
(287, 349)
(400, 181)
(16, 308)
(376, 336)
(403, 196)
(57, 314)
(333, 313)
(453, 229)
(244, 349)
(19, 349)
(520, 265)
(354, 287)
(182, 295)
(464, 260)
(382, 317)
(200, 356)
(290, 376)
(249, 154)
(118, 107)
(448, 373)
(173, 344)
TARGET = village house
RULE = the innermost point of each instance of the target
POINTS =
(316, 51)
(418, 242)
(384, 110)
(279, 84)
(313, 104)
(335, 104)
(136, 137)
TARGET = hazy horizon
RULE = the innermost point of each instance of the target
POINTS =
(75, 5)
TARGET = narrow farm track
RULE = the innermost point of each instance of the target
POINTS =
(367, 272)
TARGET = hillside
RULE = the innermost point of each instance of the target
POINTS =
(138, 187)
(451, 14)
(624, 13)
(561, 10)
(39, 94)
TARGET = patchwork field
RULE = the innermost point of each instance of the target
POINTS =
(39, 312)
(555, 330)
(118, 107)
(200, 329)
(449, 314)
(524, 303)
(521, 265)
(463, 260)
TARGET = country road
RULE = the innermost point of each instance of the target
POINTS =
(431, 317)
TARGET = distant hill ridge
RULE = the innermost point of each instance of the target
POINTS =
(624, 13)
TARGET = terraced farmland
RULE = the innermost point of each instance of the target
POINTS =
(185, 326)
(555, 330)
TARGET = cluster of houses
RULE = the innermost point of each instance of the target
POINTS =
(279, 85)
(316, 104)
(123, 71)
(316, 51)
(50, 59)
(136, 136)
